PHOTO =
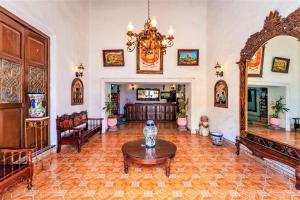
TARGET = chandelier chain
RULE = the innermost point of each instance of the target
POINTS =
(148, 9)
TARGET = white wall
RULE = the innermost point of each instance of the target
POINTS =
(65, 22)
(108, 27)
(229, 25)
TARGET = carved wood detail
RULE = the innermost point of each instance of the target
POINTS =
(37, 79)
(10, 82)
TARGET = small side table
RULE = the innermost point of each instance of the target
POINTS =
(37, 123)
(41, 126)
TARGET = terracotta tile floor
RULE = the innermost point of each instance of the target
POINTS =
(198, 171)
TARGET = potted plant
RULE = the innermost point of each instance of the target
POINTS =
(181, 114)
(111, 119)
(278, 107)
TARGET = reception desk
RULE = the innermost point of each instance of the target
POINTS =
(153, 111)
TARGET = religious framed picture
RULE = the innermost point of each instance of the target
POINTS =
(188, 57)
(280, 65)
(252, 105)
(77, 92)
(255, 65)
(221, 94)
(113, 58)
(149, 61)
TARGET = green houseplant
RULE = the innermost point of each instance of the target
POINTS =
(278, 107)
(181, 114)
(111, 118)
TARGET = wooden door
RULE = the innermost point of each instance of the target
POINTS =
(36, 74)
(11, 82)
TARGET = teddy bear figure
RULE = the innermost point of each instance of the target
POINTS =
(204, 130)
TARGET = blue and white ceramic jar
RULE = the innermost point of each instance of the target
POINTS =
(216, 138)
(150, 133)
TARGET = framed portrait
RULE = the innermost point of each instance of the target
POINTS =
(113, 58)
(188, 57)
(149, 61)
(280, 65)
(221, 94)
(255, 65)
(252, 102)
(77, 92)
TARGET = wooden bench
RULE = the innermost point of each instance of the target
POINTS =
(15, 166)
(75, 129)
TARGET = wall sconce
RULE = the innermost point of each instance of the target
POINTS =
(219, 70)
(132, 87)
(79, 71)
(163, 87)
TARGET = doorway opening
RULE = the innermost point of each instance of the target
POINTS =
(136, 102)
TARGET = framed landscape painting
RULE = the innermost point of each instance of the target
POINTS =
(113, 58)
(149, 61)
(280, 65)
(188, 57)
(255, 65)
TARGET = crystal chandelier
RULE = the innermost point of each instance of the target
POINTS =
(149, 38)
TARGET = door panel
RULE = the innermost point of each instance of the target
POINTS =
(10, 128)
(11, 82)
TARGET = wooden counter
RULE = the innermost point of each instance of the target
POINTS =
(153, 111)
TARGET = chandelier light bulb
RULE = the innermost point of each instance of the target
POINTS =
(171, 31)
(164, 42)
(130, 26)
(153, 21)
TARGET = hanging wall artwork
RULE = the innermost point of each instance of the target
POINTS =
(77, 92)
(255, 65)
(113, 58)
(149, 61)
(188, 57)
(280, 65)
(221, 94)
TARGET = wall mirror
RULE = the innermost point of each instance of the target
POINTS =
(270, 91)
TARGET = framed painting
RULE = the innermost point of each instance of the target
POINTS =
(77, 92)
(280, 65)
(188, 57)
(149, 61)
(165, 94)
(221, 94)
(252, 104)
(113, 58)
(255, 65)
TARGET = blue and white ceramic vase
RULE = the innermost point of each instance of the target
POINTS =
(216, 138)
(150, 133)
(36, 109)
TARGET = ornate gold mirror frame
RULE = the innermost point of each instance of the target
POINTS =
(274, 25)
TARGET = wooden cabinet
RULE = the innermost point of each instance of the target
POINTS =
(154, 111)
(24, 67)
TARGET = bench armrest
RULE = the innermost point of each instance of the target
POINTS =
(95, 119)
(15, 150)
(10, 156)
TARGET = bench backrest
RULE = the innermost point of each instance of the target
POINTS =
(65, 122)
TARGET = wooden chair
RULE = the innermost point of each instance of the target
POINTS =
(296, 123)
(15, 166)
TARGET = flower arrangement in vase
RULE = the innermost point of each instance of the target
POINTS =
(111, 119)
(181, 114)
(278, 107)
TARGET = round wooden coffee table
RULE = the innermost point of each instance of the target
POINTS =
(136, 151)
